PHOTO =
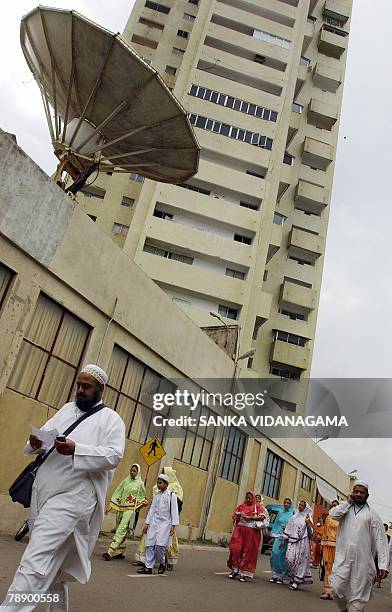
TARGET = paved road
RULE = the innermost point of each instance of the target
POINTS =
(199, 583)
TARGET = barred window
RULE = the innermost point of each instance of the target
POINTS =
(225, 129)
(130, 390)
(216, 97)
(196, 449)
(51, 353)
(5, 282)
(272, 475)
(233, 455)
(306, 483)
(120, 228)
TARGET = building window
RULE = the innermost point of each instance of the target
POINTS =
(178, 51)
(279, 219)
(194, 188)
(334, 31)
(170, 70)
(243, 239)
(189, 17)
(161, 214)
(295, 281)
(136, 177)
(285, 372)
(304, 61)
(270, 38)
(257, 174)
(216, 97)
(272, 475)
(306, 483)
(150, 248)
(182, 33)
(50, 355)
(155, 6)
(120, 229)
(248, 205)
(235, 273)
(151, 24)
(293, 315)
(233, 455)
(196, 2)
(92, 217)
(225, 129)
(128, 202)
(93, 192)
(290, 338)
(288, 159)
(196, 449)
(130, 390)
(297, 108)
(258, 323)
(5, 283)
(226, 311)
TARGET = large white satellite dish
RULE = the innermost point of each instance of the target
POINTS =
(104, 105)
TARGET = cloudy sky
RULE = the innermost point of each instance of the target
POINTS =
(354, 326)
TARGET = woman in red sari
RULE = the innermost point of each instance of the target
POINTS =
(249, 519)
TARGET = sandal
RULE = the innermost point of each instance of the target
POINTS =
(169, 567)
(233, 574)
(326, 596)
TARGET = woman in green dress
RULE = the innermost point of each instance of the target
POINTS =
(129, 496)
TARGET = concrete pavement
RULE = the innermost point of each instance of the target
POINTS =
(198, 583)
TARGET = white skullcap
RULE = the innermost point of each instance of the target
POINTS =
(361, 483)
(96, 372)
(163, 477)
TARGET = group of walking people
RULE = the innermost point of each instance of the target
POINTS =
(354, 547)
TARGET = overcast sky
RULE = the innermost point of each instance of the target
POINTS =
(354, 329)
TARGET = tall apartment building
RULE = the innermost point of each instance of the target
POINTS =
(262, 82)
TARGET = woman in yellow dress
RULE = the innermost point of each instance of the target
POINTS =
(328, 543)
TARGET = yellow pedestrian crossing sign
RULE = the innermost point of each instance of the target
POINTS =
(152, 451)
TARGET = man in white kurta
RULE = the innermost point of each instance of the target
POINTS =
(361, 536)
(68, 495)
(161, 521)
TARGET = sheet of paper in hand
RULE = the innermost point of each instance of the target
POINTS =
(47, 437)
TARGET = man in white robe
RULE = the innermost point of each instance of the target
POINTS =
(160, 525)
(68, 495)
(361, 536)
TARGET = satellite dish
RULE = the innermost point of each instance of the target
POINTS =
(106, 108)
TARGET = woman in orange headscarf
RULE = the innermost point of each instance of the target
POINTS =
(329, 548)
(249, 519)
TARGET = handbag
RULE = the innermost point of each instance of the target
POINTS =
(20, 490)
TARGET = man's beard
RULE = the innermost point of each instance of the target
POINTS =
(360, 502)
(85, 404)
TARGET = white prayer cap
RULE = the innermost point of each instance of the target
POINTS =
(163, 477)
(96, 372)
(361, 483)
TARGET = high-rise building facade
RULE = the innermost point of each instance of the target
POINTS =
(262, 82)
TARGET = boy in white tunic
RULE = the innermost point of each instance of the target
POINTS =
(68, 496)
(160, 525)
(360, 537)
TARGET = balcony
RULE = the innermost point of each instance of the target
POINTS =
(304, 245)
(291, 294)
(316, 154)
(290, 354)
(327, 78)
(310, 198)
(322, 115)
(336, 10)
(332, 44)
